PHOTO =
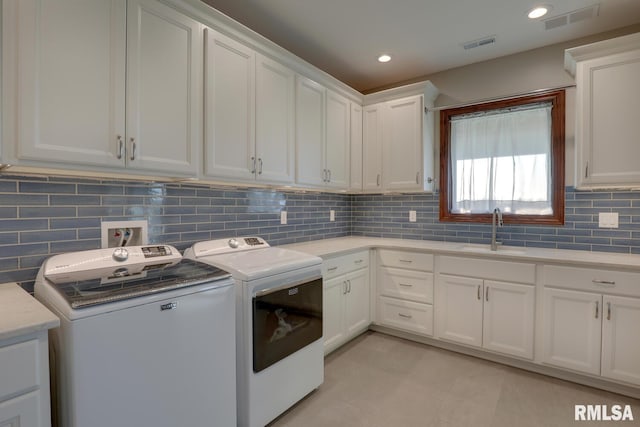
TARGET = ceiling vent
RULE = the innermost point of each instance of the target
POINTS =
(480, 42)
(572, 17)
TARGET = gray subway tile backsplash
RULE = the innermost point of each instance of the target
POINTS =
(43, 216)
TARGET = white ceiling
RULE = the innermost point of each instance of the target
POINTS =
(344, 37)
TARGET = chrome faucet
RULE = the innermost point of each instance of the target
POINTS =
(496, 221)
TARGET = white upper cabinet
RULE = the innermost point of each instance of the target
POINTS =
(607, 105)
(275, 111)
(398, 135)
(356, 147)
(402, 140)
(310, 129)
(229, 149)
(249, 111)
(66, 64)
(372, 147)
(338, 133)
(75, 59)
(322, 136)
(164, 88)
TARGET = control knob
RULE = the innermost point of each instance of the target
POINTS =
(120, 254)
(233, 243)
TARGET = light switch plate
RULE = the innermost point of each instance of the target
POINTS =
(412, 216)
(608, 219)
(283, 217)
(332, 215)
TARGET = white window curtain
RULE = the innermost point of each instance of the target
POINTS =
(502, 158)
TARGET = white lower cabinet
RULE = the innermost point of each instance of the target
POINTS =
(24, 382)
(593, 333)
(496, 316)
(405, 291)
(572, 330)
(346, 309)
(21, 411)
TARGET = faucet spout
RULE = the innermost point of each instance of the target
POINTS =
(496, 221)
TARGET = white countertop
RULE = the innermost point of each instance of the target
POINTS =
(22, 314)
(332, 247)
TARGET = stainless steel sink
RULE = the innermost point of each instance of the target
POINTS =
(486, 249)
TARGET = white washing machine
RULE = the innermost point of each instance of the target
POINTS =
(279, 322)
(146, 338)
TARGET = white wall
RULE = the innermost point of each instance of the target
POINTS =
(516, 74)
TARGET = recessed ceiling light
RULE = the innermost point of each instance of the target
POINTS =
(384, 58)
(538, 11)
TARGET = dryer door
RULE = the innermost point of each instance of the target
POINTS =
(285, 319)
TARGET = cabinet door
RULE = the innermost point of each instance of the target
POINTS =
(356, 148)
(621, 339)
(275, 110)
(229, 107)
(310, 128)
(372, 147)
(357, 313)
(572, 329)
(337, 141)
(333, 300)
(164, 88)
(65, 63)
(459, 309)
(23, 411)
(508, 318)
(607, 128)
(402, 145)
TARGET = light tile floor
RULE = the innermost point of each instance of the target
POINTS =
(382, 381)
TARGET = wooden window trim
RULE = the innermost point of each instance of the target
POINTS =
(557, 99)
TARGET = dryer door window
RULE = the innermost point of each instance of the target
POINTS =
(284, 321)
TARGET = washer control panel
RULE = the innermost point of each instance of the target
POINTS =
(155, 251)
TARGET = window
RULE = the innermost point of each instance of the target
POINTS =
(507, 154)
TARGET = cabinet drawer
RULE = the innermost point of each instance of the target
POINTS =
(19, 372)
(410, 316)
(593, 279)
(343, 264)
(406, 284)
(506, 271)
(403, 259)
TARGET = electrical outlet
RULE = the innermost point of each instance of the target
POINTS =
(283, 217)
(608, 219)
(332, 215)
(412, 216)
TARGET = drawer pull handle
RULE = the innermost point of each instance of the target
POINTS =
(332, 269)
(486, 294)
(406, 260)
(406, 316)
(608, 311)
(359, 261)
(345, 289)
(604, 282)
(597, 309)
(479, 297)
(405, 284)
